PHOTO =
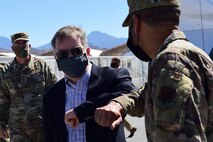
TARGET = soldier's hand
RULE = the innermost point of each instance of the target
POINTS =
(4, 133)
(71, 119)
(109, 115)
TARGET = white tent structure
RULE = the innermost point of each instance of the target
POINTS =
(197, 22)
(195, 13)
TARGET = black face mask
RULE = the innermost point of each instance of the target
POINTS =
(137, 50)
(114, 65)
(21, 52)
(73, 66)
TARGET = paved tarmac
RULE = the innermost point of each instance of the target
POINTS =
(140, 134)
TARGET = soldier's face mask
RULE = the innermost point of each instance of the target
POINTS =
(136, 49)
(21, 49)
(114, 65)
(73, 66)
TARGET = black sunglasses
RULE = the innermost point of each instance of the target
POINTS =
(61, 54)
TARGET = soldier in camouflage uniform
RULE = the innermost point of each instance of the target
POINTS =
(23, 83)
(177, 100)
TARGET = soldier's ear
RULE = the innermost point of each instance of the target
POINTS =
(136, 24)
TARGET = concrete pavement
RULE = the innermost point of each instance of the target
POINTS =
(140, 134)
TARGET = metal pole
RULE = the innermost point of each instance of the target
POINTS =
(201, 22)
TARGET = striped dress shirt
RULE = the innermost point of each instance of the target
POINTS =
(75, 95)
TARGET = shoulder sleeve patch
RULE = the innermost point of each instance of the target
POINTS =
(172, 90)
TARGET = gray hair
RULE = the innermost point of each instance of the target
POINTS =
(70, 31)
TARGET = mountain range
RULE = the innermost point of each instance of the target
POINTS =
(96, 40)
(103, 41)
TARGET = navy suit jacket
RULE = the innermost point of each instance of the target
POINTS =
(105, 84)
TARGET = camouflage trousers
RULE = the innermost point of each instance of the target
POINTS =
(35, 135)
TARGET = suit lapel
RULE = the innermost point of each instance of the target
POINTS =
(61, 96)
(95, 78)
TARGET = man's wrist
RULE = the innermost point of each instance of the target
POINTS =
(118, 106)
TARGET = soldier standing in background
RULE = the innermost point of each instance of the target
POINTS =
(115, 63)
(23, 83)
(177, 100)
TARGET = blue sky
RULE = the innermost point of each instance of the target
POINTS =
(42, 18)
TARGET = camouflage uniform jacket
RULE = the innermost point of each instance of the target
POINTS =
(177, 100)
(21, 93)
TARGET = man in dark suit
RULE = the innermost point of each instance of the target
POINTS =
(84, 88)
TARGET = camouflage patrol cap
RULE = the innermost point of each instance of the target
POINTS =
(138, 5)
(19, 36)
